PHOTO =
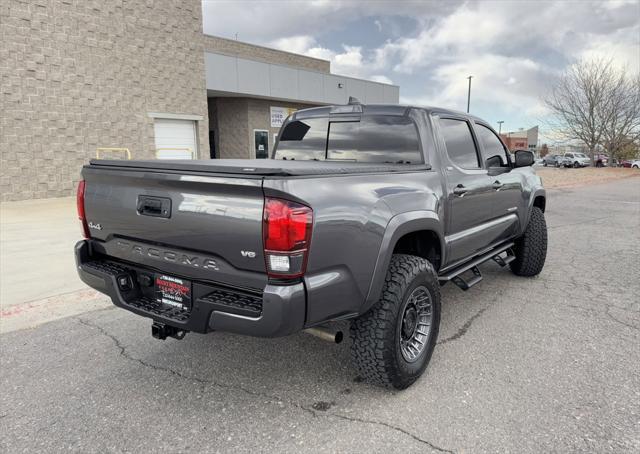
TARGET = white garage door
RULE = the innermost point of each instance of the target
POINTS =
(175, 139)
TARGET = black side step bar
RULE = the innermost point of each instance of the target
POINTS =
(467, 284)
(455, 275)
(504, 261)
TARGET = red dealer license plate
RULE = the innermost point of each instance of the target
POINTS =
(173, 291)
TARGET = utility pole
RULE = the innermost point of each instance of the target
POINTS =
(469, 94)
(500, 126)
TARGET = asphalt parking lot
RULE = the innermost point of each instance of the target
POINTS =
(523, 365)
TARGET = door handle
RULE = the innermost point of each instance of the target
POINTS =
(460, 190)
(497, 185)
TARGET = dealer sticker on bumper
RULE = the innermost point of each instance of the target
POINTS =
(173, 291)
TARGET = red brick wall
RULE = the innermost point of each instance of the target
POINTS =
(515, 143)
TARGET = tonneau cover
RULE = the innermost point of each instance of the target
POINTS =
(261, 167)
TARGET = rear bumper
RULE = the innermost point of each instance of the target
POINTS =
(278, 310)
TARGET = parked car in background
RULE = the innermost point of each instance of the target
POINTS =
(552, 160)
(601, 160)
(625, 163)
(575, 160)
(635, 164)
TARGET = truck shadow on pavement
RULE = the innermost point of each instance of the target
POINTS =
(283, 364)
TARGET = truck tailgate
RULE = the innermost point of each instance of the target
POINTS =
(204, 227)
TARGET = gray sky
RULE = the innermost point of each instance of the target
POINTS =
(514, 49)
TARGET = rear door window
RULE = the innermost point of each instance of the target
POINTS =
(461, 147)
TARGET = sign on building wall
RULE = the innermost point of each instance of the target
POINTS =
(279, 114)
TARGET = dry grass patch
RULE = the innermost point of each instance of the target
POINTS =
(567, 178)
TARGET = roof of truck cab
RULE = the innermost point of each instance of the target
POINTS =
(382, 109)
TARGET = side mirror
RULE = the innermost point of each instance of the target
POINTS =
(493, 161)
(523, 158)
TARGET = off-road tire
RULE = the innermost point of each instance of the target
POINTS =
(376, 335)
(531, 248)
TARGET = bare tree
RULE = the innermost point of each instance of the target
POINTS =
(596, 104)
(622, 115)
(544, 150)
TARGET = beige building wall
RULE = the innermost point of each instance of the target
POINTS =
(253, 52)
(234, 120)
(82, 75)
(230, 130)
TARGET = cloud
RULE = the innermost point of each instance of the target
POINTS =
(297, 44)
(522, 29)
(350, 61)
(381, 78)
(259, 22)
(514, 49)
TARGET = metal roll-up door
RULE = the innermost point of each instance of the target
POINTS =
(175, 139)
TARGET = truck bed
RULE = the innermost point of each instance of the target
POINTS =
(259, 167)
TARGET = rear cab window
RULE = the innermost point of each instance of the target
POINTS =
(391, 139)
(303, 140)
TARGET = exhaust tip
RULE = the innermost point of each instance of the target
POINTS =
(326, 335)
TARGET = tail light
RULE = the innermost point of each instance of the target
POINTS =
(286, 234)
(80, 206)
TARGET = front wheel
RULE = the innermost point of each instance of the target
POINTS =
(576, 165)
(531, 248)
(393, 342)
(544, 163)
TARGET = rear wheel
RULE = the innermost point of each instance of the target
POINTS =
(393, 342)
(531, 248)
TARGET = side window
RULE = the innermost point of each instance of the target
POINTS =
(569, 155)
(303, 140)
(459, 142)
(493, 152)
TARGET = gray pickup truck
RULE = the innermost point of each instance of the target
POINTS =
(361, 214)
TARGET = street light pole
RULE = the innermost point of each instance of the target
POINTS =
(469, 93)
(500, 126)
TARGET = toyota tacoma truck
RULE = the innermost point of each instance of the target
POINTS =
(361, 213)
